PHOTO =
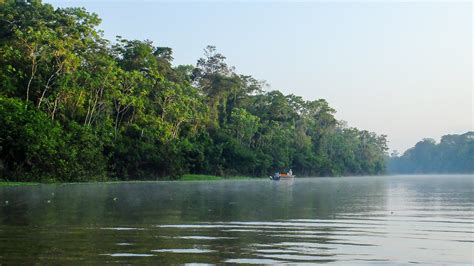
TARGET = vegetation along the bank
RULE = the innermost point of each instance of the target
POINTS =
(453, 154)
(76, 107)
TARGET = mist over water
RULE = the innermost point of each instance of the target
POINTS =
(390, 219)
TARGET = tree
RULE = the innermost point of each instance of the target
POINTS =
(74, 107)
(454, 154)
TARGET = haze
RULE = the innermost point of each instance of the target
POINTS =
(401, 69)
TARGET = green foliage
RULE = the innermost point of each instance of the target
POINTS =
(454, 154)
(73, 107)
(29, 143)
(35, 148)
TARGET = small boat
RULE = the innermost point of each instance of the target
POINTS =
(275, 177)
(278, 175)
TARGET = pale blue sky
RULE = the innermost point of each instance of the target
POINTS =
(401, 69)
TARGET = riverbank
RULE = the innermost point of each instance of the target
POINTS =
(15, 184)
(187, 177)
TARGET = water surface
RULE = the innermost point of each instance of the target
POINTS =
(365, 220)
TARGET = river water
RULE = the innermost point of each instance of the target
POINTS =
(363, 220)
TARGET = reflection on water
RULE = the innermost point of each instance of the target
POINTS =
(369, 220)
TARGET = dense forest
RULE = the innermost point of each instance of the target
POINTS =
(77, 107)
(454, 154)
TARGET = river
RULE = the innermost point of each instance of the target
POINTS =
(346, 220)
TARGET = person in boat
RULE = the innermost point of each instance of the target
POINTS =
(276, 176)
(290, 173)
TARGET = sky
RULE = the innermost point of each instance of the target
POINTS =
(395, 68)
